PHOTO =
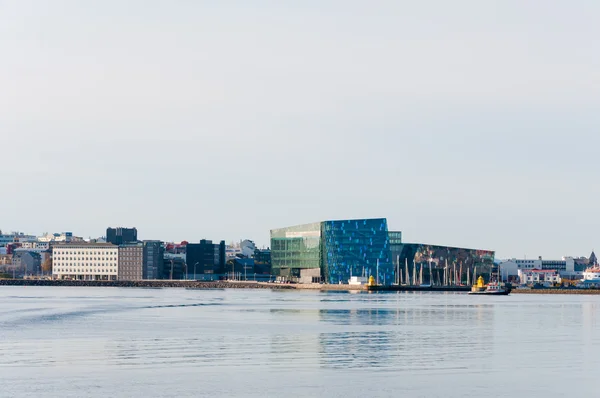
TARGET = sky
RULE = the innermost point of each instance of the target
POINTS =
(465, 123)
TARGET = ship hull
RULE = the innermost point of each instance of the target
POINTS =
(498, 293)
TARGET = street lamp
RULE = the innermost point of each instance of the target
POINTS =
(195, 271)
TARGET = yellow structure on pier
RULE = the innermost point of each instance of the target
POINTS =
(479, 286)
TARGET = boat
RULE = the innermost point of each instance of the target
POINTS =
(592, 274)
(493, 288)
(357, 281)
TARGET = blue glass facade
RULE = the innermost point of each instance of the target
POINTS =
(366, 247)
(356, 247)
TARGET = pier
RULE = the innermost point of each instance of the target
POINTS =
(408, 288)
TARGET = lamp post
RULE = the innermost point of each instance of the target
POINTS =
(195, 271)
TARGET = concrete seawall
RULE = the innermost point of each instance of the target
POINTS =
(251, 285)
(147, 284)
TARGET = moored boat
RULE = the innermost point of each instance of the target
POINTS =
(493, 288)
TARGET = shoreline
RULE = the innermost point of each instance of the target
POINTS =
(556, 291)
(254, 285)
(146, 284)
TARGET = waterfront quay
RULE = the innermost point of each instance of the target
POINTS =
(147, 284)
(219, 285)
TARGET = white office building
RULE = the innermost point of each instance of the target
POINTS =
(547, 277)
(85, 261)
(565, 266)
(62, 237)
(34, 244)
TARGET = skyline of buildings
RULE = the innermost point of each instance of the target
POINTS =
(326, 251)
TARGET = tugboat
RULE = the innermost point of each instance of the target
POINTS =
(493, 288)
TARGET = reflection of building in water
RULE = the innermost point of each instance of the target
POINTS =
(588, 311)
(356, 348)
(297, 342)
(344, 248)
(407, 337)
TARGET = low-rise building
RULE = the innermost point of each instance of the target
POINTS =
(29, 261)
(205, 257)
(85, 261)
(174, 267)
(34, 244)
(247, 248)
(546, 277)
(56, 237)
(14, 237)
(565, 266)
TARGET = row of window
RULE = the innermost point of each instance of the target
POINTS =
(78, 264)
(61, 270)
(88, 258)
(86, 253)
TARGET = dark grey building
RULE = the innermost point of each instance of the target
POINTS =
(27, 262)
(174, 268)
(262, 261)
(153, 259)
(205, 258)
(118, 236)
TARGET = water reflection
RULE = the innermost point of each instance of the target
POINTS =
(294, 343)
(407, 336)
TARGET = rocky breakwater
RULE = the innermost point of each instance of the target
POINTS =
(146, 284)
(556, 291)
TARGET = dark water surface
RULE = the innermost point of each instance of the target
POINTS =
(118, 342)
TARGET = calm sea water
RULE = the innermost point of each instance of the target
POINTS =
(115, 342)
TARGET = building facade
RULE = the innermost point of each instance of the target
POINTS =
(118, 236)
(153, 259)
(205, 257)
(174, 267)
(56, 237)
(247, 248)
(338, 248)
(14, 237)
(28, 262)
(98, 261)
(33, 244)
(567, 267)
(546, 277)
(363, 248)
(131, 262)
(439, 265)
(262, 261)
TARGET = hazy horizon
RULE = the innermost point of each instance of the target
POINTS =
(471, 124)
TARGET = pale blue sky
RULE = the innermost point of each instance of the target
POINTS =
(466, 123)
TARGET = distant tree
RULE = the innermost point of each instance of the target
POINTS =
(47, 266)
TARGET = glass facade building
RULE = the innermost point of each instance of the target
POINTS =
(344, 248)
(339, 249)
(412, 257)
(295, 248)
